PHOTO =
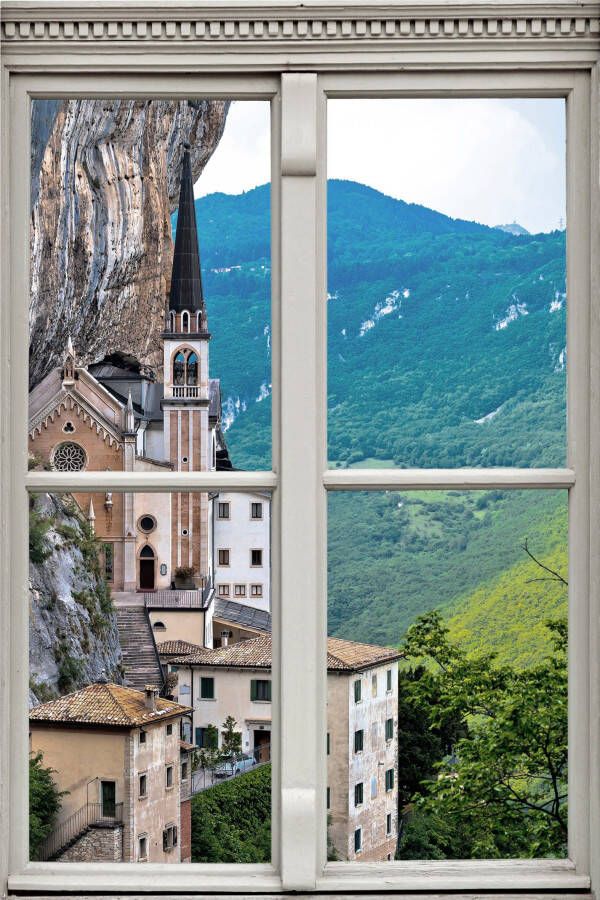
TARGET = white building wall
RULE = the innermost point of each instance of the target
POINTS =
(240, 534)
(378, 756)
(232, 698)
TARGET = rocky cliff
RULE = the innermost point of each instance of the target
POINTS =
(104, 181)
(73, 637)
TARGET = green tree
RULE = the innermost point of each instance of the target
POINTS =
(500, 790)
(231, 822)
(231, 744)
(44, 803)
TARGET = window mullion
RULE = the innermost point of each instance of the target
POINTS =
(302, 643)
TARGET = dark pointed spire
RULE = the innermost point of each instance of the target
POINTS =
(186, 279)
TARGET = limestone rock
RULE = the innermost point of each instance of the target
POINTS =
(105, 177)
(73, 636)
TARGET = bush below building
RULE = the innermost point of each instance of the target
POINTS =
(231, 822)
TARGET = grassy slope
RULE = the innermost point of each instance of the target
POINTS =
(507, 614)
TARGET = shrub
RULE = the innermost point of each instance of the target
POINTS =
(44, 803)
(231, 822)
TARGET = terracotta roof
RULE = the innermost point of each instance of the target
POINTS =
(106, 704)
(351, 655)
(342, 655)
(177, 648)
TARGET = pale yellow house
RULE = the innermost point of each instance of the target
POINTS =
(116, 751)
(362, 728)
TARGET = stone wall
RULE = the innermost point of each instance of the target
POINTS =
(185, 835)
(96, 845)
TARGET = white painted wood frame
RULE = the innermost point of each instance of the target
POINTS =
(297, 55)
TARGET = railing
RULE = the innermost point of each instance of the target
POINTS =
(175, 599)
(186, 391)
(202, 779)
(89, 816)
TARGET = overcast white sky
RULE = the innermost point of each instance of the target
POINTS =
(491, 161)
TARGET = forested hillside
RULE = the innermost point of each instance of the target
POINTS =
(446, 347)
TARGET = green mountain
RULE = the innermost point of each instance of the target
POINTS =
(446, 348)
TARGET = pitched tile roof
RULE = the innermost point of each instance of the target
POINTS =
(348, 656)
(106, 704)
(242, 614)
(177, 648)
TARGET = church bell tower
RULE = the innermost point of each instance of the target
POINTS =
(186, 382)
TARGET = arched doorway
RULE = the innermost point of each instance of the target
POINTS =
(147, 567)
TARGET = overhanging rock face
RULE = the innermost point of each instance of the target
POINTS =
(105, 179)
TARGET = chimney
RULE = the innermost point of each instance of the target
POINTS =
(224, 638)
(151, 693)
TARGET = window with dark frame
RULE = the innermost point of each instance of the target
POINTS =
(358, 740)
(207, 688)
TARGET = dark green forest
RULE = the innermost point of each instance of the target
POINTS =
(446, 348)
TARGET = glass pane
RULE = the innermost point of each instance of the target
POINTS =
(150, 677)
(150, 260)
(447, 679)
(446, 283)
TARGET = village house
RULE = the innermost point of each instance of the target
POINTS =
(362, 728)
(117, 753)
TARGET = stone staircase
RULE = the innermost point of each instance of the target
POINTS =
(140, 657)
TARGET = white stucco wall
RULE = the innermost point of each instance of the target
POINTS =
(240, 534)
(159, 506)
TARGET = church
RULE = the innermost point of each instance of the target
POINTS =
(115, 415)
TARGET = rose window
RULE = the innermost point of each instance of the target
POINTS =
(69, 457)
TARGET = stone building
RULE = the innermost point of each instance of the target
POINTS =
(118, 754)
(362, 728)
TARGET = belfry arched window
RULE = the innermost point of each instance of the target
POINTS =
(192, 369)
(185, 321)
(179, 369)
(185, 368)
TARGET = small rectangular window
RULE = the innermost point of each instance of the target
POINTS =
(142, 848)
(223, 557)
(169, 838)
(389, 780)
(357, 691)
(207, 738)
(184, 771)
(224, 511)
(223, 590)
(328, 743)
(328, 798)
(389, 729)
(256, 558)
(388, 823)
(109, 561)
(142, 737)
(256, 511)
(256, 590)
(358, 793)
(260, 689)
(169, 730)
(358, 740)
(373, 787)
(207, 688)
(169, 777)
(143, 786)
(239, 590)
(374, 685)
(357, 840)
(388, 685)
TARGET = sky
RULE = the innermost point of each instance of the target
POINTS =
(487, 160)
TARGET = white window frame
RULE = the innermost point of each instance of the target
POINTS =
(310, 52)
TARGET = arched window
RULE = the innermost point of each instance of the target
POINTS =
(179, 369)
(159, 626)
(199, 321)
(146, 553)
(172, 321)
(185, 321)
(192, 369)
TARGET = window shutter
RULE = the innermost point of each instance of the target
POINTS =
(165, 840)
(174, 835)
(253, 690)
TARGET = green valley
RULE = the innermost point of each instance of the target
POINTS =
(446, 348)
